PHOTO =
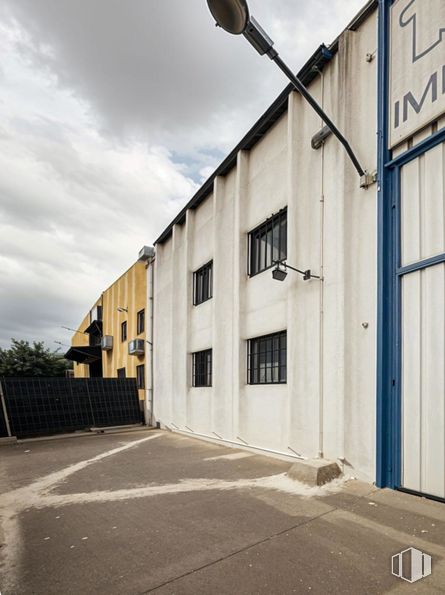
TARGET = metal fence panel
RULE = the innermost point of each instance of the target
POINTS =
(44, 406)
(114, 401)
(3, 428)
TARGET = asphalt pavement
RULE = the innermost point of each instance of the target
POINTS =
(152, 511)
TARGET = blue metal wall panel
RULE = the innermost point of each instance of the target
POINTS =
(385, 317)
(390, 272)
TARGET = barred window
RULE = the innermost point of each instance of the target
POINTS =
(202, 368)
(268, 243)
(267, 359)
(140, 376)
(203, 284)
(141, 322)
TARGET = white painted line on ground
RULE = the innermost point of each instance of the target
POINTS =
(51, 480)
(280, 483)
(14, 502)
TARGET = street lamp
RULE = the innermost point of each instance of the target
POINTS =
(234, 17)
(231, 15)
(279, 273)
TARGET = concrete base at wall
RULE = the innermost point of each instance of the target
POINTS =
(8, 440)
(314, 472)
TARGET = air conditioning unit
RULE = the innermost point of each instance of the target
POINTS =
(106, 343)
(136, 347)
(146, 253)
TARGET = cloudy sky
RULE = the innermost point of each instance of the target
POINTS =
(112, 113)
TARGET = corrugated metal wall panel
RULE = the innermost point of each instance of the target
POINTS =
(432, 213)
(432, 370)
(411, 380)
(410, 212)
(423, 381)
(422, 206)
(423, 324)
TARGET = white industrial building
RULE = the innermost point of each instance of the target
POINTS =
(345, 366)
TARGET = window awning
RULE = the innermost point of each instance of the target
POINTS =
(84, 355)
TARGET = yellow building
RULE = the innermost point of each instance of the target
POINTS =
(111, 341)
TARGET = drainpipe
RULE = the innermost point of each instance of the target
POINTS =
(149, 402)
(321, 298)
(321, 328)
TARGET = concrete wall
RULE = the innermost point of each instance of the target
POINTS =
(128, 291)
(80, 339)
(327, 406)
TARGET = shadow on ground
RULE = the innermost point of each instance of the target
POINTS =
(154, 511)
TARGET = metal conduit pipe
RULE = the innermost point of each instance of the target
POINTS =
(149, 403)
(321, 297)
(239, 444)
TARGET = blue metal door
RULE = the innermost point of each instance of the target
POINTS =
(419, 317)
(411, 280)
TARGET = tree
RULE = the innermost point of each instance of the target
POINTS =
(23, 359)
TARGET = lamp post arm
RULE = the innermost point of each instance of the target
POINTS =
(263, 44)
(235, 18)
(306, 274)
(313, 103)
(288, 266)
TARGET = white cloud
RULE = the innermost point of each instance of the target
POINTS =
(111, 113)
(75, 206)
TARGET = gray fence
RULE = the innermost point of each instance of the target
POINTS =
(45, 406)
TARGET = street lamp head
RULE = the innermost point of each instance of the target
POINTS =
(231, 15)
(279, 273)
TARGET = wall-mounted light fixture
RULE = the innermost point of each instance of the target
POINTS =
(318, 140)
(234, 17)
(122, 309)
(279, 272)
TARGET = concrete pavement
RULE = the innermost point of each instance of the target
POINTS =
(159, 512)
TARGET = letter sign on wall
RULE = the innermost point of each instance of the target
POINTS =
(417, 73)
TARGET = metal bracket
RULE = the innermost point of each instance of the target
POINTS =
(368, 179)
(307, 274)
(318, 140)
